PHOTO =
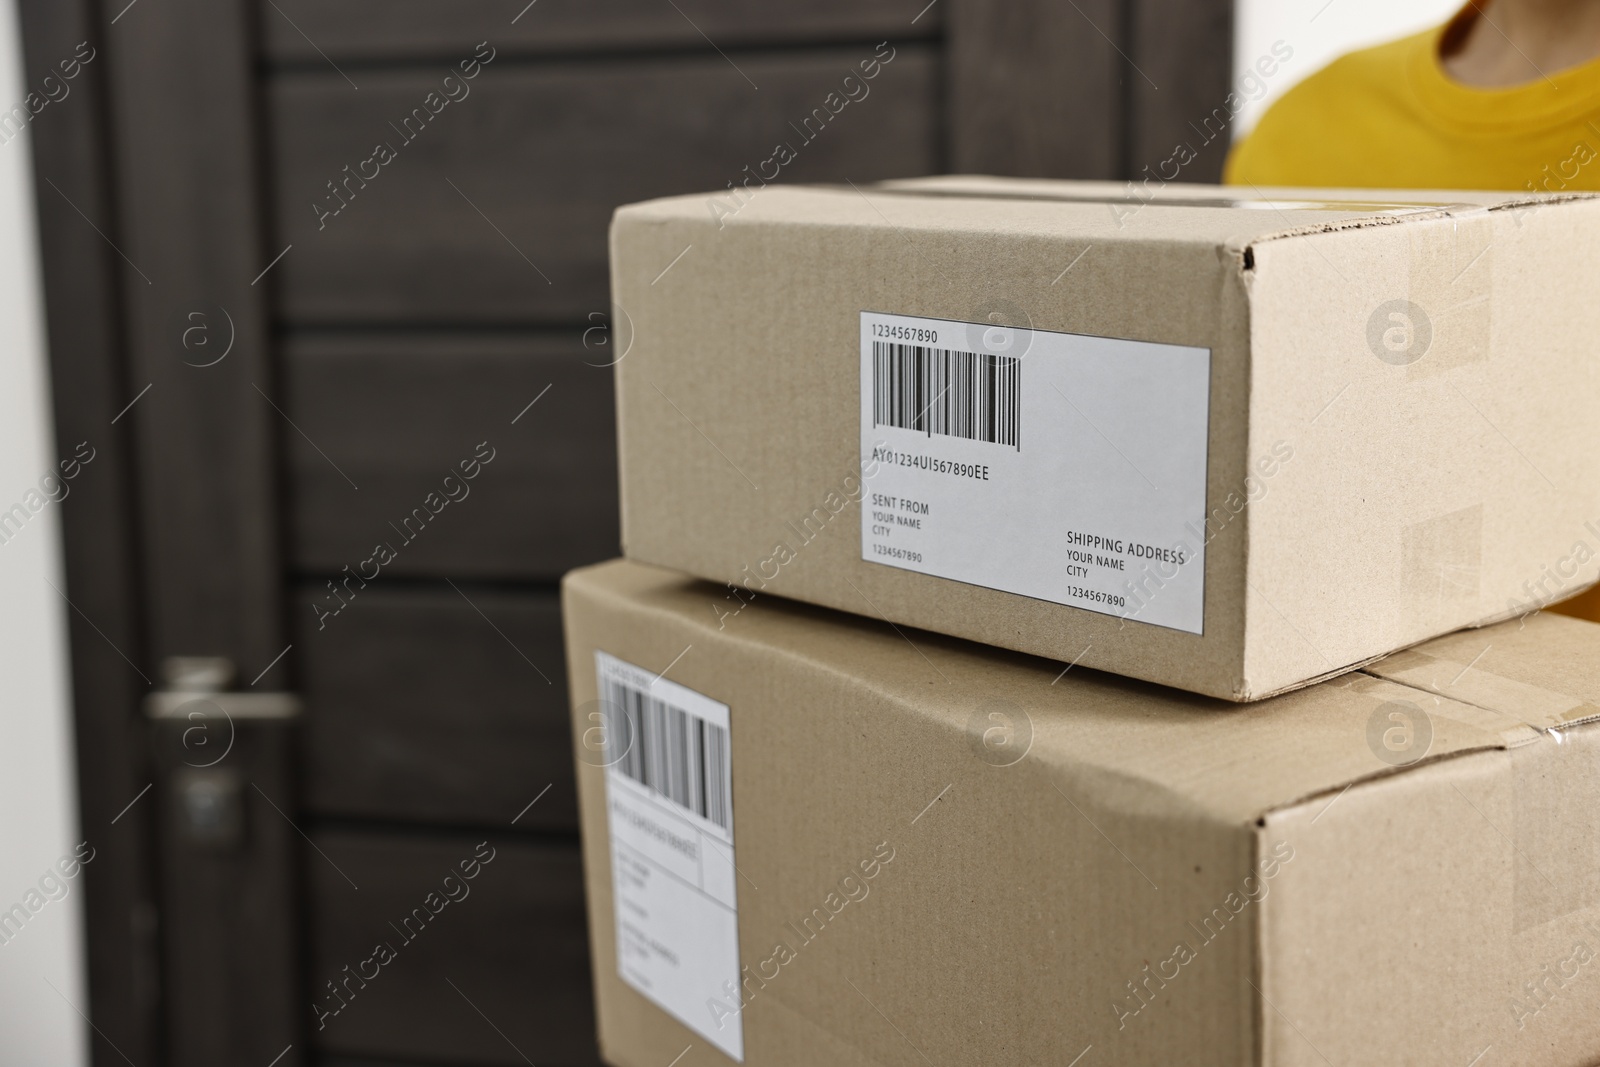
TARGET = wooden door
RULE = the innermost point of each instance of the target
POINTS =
(327, 290)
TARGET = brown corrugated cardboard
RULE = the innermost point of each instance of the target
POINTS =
(951, 854)
(1240, 443)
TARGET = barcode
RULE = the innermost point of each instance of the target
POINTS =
(676, 754)
(945, 391)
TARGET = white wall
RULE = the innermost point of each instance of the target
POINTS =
(38, 805)
(1320, 31)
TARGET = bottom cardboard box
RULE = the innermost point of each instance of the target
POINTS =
(816, 839)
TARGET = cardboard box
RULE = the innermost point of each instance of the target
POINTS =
(950, 854)
(1208, 439)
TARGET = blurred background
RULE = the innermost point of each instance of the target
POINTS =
(305, 408)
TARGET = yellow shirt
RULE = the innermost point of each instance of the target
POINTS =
(1391, 117)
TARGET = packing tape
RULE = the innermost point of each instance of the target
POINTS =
(1452, 284)
(1441, 560)
(1366, 209)
(1450, 313)
(1538, 709)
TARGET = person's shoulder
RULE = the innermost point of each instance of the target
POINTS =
(1368, 82)
(1359, 76)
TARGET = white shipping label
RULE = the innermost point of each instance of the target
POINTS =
(1052, 465)
(669, 801)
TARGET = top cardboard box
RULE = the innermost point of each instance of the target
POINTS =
(1228, 440)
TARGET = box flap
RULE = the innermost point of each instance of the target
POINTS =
(1233, 218)
(1298, 211)
(1215, 217)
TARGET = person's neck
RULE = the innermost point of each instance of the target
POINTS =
(1512, 42)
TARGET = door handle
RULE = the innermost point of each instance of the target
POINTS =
(197, 689)
(229, 853)
(203, 718)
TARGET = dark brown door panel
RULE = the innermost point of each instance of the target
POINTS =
(300, 268)
(495, 209)
(385, 419)
(424, 29)
(487, 970)
(438, 704)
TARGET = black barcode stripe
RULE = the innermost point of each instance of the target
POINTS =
(676, 754)
(716, 769)
(972, 395)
